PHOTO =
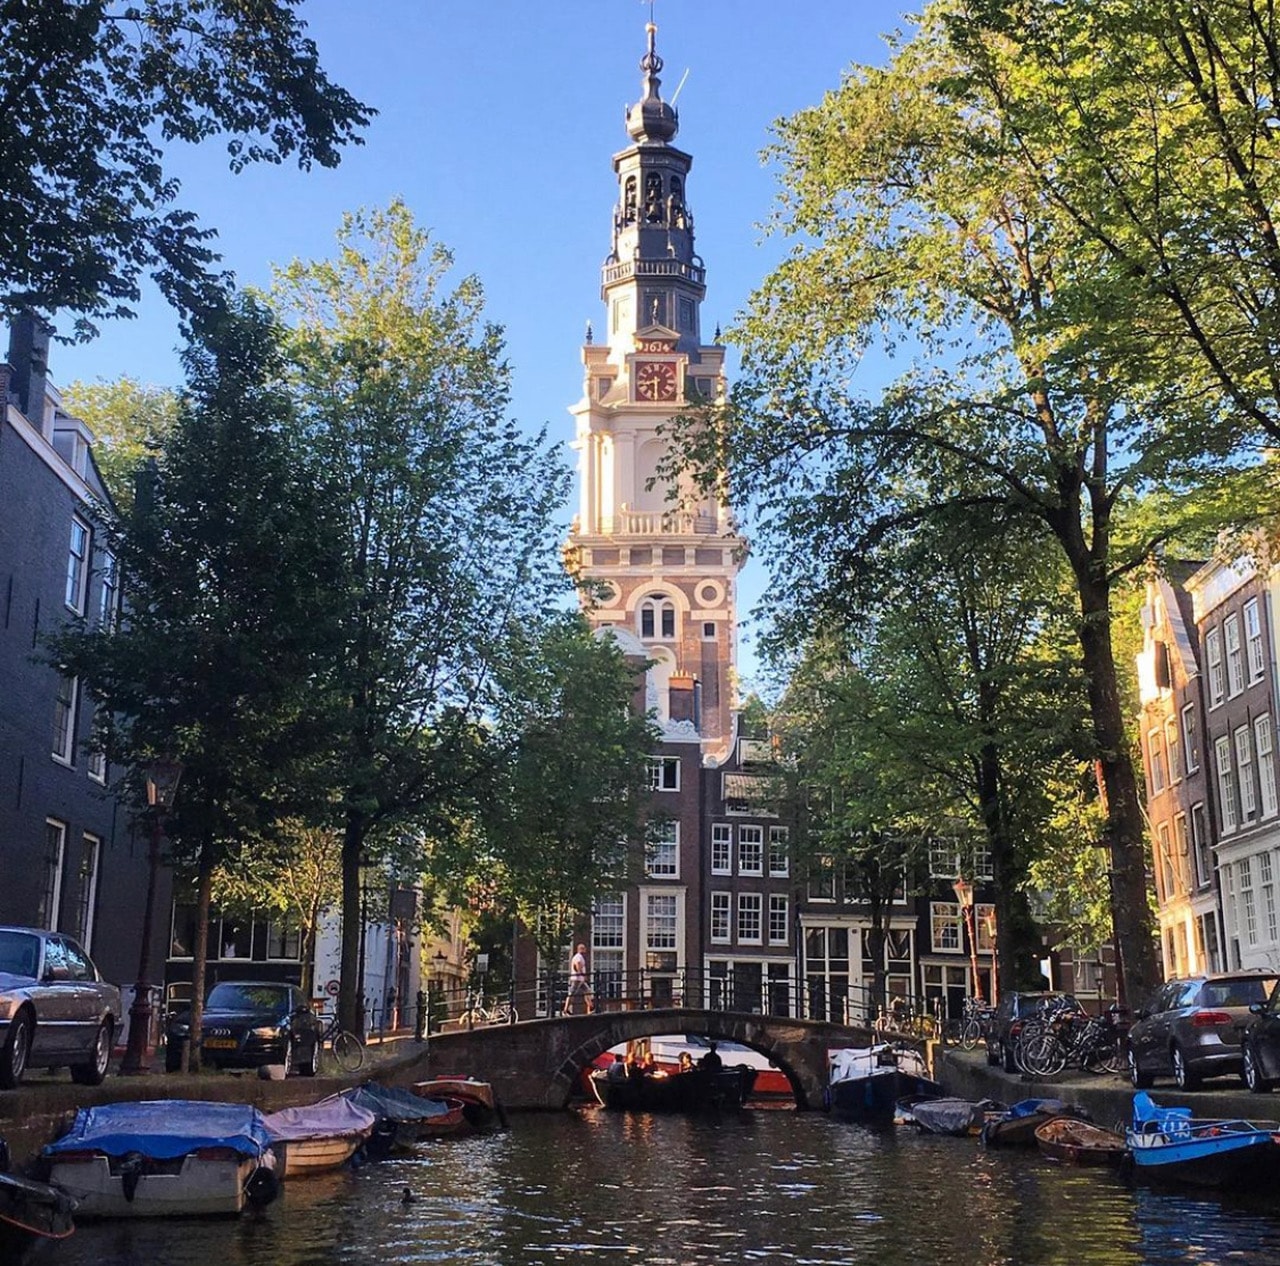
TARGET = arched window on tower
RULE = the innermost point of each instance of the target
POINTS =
(675, 204)
(653, 198)
(658, 617)
(629, 201)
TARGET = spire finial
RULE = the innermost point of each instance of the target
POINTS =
(652, 119)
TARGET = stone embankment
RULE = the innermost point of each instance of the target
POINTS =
(1108, 1099)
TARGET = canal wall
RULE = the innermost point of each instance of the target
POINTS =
(1107, 1098)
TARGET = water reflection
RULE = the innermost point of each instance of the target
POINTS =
(763, 1187)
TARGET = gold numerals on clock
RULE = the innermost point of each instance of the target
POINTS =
(655, 380)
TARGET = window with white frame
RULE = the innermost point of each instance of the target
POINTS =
(87, 892)
(664, 773)
(55, 848)
(77, 566)
(1253, 640)
(1213, 657)
(721, 848)
(1155, 758)
(1247, 906)
(944, 925)
(1226, 784)
(1262, 741)
(779, 852)
(235, 939)
(1171, 747)
(662, 852)
(64, 719)
(658, 617)
(751, 850)
(1244, 775)
(1190, 739)
(1168, 883)
(1201, 846)
(608, 920)
(1235, 655)
(96, 762)
(982, 866)
(660, 921)
(944, 858)
(721, 915)
(109, 592)
(1266, 880)
(779, 919)
(750, 905)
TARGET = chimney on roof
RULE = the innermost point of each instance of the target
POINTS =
(29, 356)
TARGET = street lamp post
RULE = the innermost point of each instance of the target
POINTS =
(990, 921)
(161, 777)
(964, 895)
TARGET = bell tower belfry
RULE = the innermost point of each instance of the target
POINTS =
(664, 559)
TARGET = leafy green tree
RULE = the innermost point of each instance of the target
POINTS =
(445, 518)
(917, 220)
(217, 661)
(129, 421)
(89, 95)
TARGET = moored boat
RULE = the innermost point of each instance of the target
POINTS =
(1169, 1144)
(30, 1213)
(405, 1118)
(952, 1116)
(165, 1158)
(1077, 1142)
(479, 1109)
(1017, 1126)
(697, 1090)
(866, 1083)
(320, 1136)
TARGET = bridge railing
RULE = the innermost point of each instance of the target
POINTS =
(552, 994)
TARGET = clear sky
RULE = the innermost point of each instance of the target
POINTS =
(497, 123)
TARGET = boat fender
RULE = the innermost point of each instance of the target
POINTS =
(130, 1174)
(262, 1188)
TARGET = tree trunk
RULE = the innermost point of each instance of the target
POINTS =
(200, 958)
(1125, 830)
(350, 1004)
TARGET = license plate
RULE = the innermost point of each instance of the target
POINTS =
(220, 1044)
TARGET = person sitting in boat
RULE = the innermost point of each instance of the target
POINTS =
(618, 1069)
(686, 1062)
(711, 1062)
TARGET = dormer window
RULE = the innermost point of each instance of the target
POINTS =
(657, 617)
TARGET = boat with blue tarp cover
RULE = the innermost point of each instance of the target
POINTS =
(164, 1158)
(1168, 1143)
(404, 1118)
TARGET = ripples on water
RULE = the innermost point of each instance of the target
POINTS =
(770, 1187)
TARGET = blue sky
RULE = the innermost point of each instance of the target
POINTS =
(497, 124)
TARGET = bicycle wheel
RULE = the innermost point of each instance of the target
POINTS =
(348, 1051)
(970, 1034)
(1043, 1055)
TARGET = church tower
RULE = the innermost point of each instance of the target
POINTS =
(663, 560)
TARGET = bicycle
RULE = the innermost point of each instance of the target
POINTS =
(974, 1022)
(476, 1012)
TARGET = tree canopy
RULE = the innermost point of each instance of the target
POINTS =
(90, 94)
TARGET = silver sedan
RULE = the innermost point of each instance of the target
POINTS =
(55, 1008)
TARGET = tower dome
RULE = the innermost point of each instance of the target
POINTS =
(651, 119)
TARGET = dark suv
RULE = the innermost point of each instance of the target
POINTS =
(1190, 1029)
(1010, 1015)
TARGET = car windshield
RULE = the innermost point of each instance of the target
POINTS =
(227, 997)
(19, 953)
(1236, 993)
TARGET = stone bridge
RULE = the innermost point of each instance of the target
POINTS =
(537, 1063)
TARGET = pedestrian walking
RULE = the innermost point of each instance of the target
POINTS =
(579, 986)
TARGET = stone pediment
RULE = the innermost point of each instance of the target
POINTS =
(656, 338)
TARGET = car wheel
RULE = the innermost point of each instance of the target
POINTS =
(1183, 1077)
(94, 1071)
(1140, 1078)
(13, 1055)
(1253, 1077)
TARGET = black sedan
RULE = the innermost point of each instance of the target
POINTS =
(246, 1024)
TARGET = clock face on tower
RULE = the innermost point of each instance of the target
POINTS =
(656, 380)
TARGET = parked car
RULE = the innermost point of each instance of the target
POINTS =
(55, 1008)
(1190, 1029)
(1260, 1045)
(1012, 1012)
(246, 1023)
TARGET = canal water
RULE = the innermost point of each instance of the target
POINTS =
(762, 1186)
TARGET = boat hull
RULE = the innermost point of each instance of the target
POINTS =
(192, 1186)
(1079, 1143)
(31, 1212)
(875, 1097)
(1230, 1159)
(297, 1158)
(695, 1091)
